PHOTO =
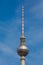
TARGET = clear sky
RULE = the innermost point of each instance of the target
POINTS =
(10, 31)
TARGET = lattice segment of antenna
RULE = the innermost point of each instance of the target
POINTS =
(22, 20)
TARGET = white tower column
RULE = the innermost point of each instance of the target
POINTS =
(22, 60)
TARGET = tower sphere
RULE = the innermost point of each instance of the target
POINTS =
(22, 50)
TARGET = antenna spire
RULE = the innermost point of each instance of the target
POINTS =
(23, 20)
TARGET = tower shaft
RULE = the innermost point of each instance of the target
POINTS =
(22, 60)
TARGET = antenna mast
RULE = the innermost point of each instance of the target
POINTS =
(22, 20)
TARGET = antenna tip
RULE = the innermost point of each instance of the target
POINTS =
(22, 6)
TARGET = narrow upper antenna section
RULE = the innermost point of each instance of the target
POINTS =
(22, 20)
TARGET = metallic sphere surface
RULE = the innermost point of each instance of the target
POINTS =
(22, 50)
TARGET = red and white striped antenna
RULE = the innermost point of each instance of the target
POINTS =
(22, 20)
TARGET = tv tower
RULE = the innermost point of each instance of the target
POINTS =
(22, 49)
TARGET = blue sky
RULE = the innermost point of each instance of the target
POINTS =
(10, 31)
